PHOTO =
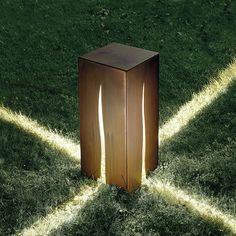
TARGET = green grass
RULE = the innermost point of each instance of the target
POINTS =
(40, 42)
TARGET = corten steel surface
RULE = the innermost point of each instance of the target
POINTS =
(128, 78)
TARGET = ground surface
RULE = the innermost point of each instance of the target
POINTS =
(39, 43)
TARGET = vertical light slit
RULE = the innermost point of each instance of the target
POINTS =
(102, 136)
(144, 138)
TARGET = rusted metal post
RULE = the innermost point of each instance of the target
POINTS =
(118, 95)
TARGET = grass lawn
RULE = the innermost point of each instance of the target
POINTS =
(40, 42)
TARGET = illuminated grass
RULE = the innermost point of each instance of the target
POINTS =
(66, 213)
(199, 101)
(56, 141)
(193, 203)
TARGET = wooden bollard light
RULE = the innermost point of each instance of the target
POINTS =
(118, 91)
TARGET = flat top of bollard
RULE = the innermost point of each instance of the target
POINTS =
(119, 56)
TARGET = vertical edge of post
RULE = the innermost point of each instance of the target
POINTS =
(89, 85)
(142, 80)
(134, 126)
(152, 113)
(114, 116)
(126, 131)
(158, 107)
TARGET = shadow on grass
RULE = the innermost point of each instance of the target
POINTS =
(203, 154)
(34, 179)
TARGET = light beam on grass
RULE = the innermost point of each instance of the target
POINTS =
(199, 101)
(193, 203)
(66, 213)
(53, 139)
(185, 114)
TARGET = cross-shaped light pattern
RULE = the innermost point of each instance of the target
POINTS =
(186, 113)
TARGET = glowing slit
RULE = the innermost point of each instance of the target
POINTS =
(144, 138)
(102, 136)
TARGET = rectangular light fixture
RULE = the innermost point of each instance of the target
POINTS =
(118, 92)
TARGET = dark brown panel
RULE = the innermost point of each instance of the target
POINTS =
(89, 125)
(134, 127)
(151, 99)
(114, 116)
(145, 75)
